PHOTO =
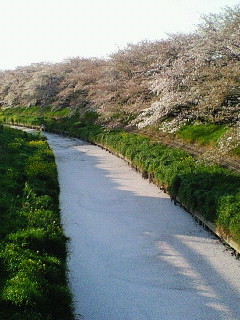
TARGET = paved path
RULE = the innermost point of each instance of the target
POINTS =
(134, 255)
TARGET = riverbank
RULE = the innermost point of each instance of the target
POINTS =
(32, 244)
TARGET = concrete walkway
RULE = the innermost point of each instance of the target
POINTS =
(133, 254)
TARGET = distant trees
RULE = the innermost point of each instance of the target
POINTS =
(186, 76)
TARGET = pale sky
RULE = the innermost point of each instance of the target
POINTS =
(53, 30)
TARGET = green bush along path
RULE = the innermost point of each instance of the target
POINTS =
(33, 282)
(210, 190)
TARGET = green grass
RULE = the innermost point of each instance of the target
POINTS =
(33, 253)
(236, 151)
(200, 187)
(202, 133)
(32, 115)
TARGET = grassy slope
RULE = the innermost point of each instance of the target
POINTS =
(33, 246)
(206, 134)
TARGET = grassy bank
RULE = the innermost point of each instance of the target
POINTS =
(212, 191)
(33, 281)
(205, 134)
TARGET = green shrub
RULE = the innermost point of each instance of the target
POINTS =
(228, 214)
(234, 226)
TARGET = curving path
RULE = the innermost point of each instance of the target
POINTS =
(133, 254)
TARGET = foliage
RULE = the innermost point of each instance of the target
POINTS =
(32, 243)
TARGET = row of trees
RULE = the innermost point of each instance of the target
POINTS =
(187, 75)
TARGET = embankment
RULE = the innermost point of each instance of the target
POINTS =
(32, 243)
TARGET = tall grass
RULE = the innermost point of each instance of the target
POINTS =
(33, 281)
(208, 189)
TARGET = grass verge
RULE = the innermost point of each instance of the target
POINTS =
(33, 281)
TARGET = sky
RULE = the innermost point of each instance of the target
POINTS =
(35, 31)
